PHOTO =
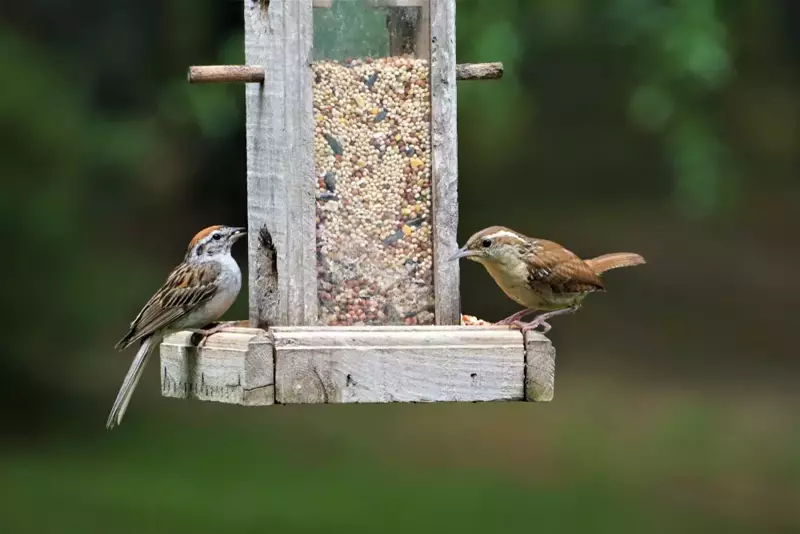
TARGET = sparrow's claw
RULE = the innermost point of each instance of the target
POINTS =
(207, 332)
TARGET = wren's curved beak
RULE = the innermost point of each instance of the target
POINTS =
(463, 252)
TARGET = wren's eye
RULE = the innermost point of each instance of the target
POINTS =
(217, 236)
(486, 243)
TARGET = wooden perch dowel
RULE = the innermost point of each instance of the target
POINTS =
(479, 71)
(226, 74)
(255, 73)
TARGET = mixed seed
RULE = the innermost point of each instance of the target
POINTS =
(373, 171)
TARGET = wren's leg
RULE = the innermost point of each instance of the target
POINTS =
(541, 320)
(511, 319)
(206, 332)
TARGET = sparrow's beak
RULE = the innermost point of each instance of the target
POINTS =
(239, 232)
(463, 252)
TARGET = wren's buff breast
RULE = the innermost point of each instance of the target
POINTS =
(540, 275)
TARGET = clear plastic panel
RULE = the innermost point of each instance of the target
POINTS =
(373, 162)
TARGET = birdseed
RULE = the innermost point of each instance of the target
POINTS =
(373, 170)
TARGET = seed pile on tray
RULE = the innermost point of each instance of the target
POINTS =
(373, 170)
(471, 320)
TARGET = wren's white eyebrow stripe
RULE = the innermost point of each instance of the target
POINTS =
(505, 233)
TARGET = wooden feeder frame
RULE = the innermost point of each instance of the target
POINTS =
(279, 358)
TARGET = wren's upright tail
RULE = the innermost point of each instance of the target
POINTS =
(606, 262)
(131, 379)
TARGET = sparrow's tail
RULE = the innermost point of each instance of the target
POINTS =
(606, 262)
(131, 379)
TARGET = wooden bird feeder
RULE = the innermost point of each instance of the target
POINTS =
(352, 214)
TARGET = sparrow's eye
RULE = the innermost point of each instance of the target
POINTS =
(217, 236)
(487, 243)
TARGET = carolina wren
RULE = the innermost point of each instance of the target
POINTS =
(538, 274)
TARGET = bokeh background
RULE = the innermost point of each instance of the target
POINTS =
(670, 128)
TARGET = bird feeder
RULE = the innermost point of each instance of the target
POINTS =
(352, 217)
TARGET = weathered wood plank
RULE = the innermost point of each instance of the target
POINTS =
(235, 366)
(280, 164)
(398, 364)
(444, 170)
(540, 367)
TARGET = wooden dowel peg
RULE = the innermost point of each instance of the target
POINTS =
(255, 73)
(226, 74)
(479, 71)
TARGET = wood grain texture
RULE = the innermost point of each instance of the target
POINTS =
(479, 71)
(444, 144)
(540, 367)
(398, 364)
(280, 164)
(235, 366)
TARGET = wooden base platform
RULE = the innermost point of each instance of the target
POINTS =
(311, 365)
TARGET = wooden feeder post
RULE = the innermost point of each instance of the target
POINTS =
(352, 216)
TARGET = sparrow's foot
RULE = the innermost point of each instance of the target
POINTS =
(515, 318)
(206, 332)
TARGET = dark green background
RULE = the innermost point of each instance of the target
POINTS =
(667, 128)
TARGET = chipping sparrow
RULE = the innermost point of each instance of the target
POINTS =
(539, 274)
(196, 293)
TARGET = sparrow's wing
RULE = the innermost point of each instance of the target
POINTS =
(187, 287)
(551, 265)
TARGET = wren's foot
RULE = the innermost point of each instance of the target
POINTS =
(515, 318)
(541, 320)
(206, 332)
(533, 325)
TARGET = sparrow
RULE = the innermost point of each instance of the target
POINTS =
(540, 275)
(197, 292)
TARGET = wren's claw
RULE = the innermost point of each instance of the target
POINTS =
(533, 325)
(515, 318)
(541, 320)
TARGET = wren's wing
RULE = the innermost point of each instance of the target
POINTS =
(562, 271)
(187, 287)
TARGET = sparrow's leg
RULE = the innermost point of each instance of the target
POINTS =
(541, 320)
(511, 319)
(206, 332)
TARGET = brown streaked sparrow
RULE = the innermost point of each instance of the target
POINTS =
(539, 274)
(197, 292)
